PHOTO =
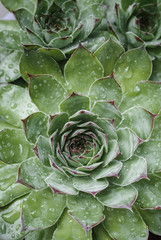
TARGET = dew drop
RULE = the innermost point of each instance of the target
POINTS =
(3, 229)
(121, 219)
(11, 65)
(7, 78)
(13, 105)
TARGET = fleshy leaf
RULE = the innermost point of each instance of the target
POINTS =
(113, 152)
(13, 6)
(43, 150)
(149, 192)
(86, 210)
(139, 120)
(35, 125)
(106, 109)
(43, 234)
(9, 67)
(10, 221)
(107, 54)
(55, 53)
(35, 63)
(82, 70)
(25, 18)
(118, 197)
(89, 185)
(106, 89)
(108, 128)
(15, 104)
(151, 151)
(32, 173)
(100, 233)
(14, 147)
(122, 223)
(142, 97)
(46, 93)
(57, 122)
(60, 183)
(9, 190)
(132, 67)
(133, 170)
(42, 209)
(153, 220)
(128, 142)
(156, 134)
(112, 169)
(74, 103)
(69, 229)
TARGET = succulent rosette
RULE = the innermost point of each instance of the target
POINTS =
(138, 22)
(80, 153)
(57, 27)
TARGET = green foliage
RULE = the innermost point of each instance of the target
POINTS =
(94, 171)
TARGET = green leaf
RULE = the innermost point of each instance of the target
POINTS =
(57, 121)
(89, 185)
(86, 210)
(55, 53)
(132, 67)
(4, 124)
(9, 25)
(74, 103)
(82, 70)
(15, 104)
(14, 147)
(139, 120)
(106, 89)
(118, 197)
(107, 54)
(32, 173)
(100, 233)
(35, 125)
(69, 229)
(133, 170)
(10, 221)
(43, 150)
(128, 143)
(108, 128)
(113, 152)
(11, 39)
(42, 209)
(149, 192)
(60, 42)
(156, 134)
(60, 183)
(142, 96)
(44, 234)
(35, 38)
(106, 109)
(35, 63)
(13, 6)
(112, 169)
(151, 151)
(122, 223)
(46, 92)
(152, 218)
(9, 190)
(126, 4)
(9, 67)
(25, 18)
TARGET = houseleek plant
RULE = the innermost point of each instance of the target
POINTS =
(54, 28)
(80, 151)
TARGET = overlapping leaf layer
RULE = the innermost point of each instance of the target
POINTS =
(80, 151)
